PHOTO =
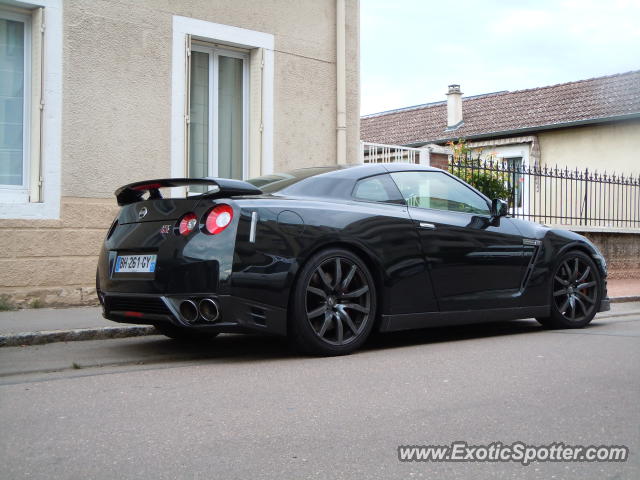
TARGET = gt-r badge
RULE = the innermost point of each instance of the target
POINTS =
(164, 229)
(143, 212)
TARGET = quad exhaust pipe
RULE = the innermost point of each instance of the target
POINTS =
(207, 309)
(189, 311)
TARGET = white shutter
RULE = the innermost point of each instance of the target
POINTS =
(37, 105)
(256, 71)
(187, 102)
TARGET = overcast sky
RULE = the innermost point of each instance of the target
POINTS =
(412, 49)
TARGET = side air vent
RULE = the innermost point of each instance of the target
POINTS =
(258, 316)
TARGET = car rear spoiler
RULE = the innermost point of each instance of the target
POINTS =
(134, 192)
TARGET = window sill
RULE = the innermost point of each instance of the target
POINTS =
(14, 195)
(17, 206)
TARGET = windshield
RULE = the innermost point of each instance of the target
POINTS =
(276, 182)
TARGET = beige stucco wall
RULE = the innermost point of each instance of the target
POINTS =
(117, 126)
(612, 147)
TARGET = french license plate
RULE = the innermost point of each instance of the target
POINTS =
(136, 263)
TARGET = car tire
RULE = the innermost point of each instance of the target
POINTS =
(184, 334)
(334, 303)
(570, 305)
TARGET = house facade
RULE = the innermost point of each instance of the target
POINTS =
(592, 124)
(99, 93)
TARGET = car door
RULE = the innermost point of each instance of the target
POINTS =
(389, 233)
(475, 261)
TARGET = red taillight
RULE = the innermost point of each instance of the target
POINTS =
(218, 219)
(188, 223)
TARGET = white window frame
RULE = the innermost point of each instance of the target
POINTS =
(506, 152)
(18, 206)
(523, 187)
(220, 35)
(212, 147)
(20, 193)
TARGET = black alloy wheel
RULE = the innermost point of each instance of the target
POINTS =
(334, 304)
(576, 292)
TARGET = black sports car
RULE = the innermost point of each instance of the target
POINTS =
(326, 255)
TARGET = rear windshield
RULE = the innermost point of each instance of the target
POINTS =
(279, 181)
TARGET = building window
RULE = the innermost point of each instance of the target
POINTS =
(218, 112)
(516, 179)
(15, 80)
(30, 108)
(222, 114)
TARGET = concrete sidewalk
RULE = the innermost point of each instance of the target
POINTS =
(625, 289)
(52, 319)
(45, 325)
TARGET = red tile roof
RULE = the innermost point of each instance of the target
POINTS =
(595, 99)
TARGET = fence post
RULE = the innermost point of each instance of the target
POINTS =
(586, 195)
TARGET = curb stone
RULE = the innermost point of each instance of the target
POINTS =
(50, 336)
(630, 298)
(630, 313)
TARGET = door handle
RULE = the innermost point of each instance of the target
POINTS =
(427, 226)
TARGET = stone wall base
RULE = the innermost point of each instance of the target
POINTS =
(622, 251)
(49, 297)
(53, 262)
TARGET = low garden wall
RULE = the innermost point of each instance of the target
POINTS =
(621, 249)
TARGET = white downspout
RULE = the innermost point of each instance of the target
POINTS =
(341, 87)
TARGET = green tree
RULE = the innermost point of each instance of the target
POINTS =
(486, 175)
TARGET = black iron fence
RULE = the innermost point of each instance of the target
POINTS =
(558, 196)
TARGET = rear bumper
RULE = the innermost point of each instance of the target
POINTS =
(237, 315)
(605, 305)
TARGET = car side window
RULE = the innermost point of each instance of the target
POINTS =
(379, 188)
(437, 190)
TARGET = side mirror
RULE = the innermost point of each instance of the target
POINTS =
(499, 208)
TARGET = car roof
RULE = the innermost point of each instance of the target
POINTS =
(360, 170)
(334, 182)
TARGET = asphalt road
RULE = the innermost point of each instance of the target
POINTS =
(243, 407)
